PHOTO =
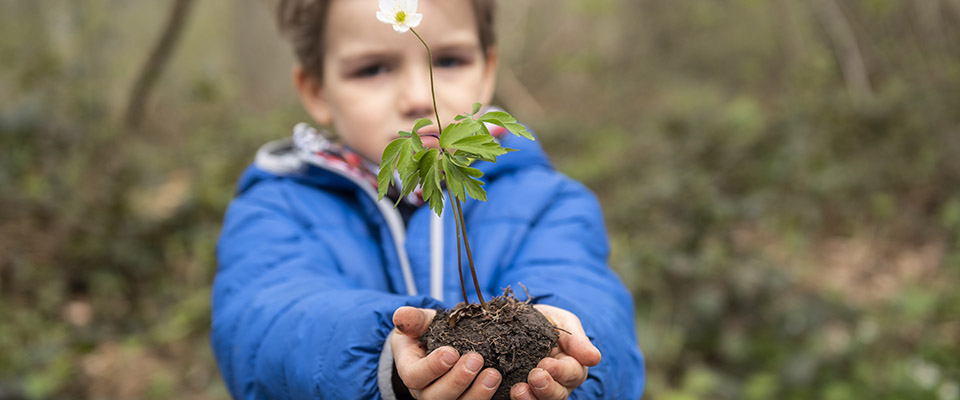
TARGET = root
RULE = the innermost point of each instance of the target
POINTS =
(526, 292)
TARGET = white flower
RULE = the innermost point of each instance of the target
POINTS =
(402, 14)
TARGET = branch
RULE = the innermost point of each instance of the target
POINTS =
(157, 61)
(846, 48)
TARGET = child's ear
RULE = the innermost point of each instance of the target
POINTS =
(311, 95)
(489, 75)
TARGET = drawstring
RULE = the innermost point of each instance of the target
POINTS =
(436, 256)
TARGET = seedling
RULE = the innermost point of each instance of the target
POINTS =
(461, 143)
(511, 336)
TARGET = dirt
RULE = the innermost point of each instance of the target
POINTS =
(511, 335)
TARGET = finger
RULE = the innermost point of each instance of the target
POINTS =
(484, 386)
(413, 321)
(416, 371)
(580, 348)
(521, 391)
(574, 341)
(405, 347)
(454, 383)
(544, 387)
(565, 370)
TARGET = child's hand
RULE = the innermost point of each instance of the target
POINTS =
(443, 374)
(566, 368)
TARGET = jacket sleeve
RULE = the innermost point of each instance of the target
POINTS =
(563, 260)
(287, 322)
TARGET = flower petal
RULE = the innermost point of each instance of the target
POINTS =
(385, 18)
(400, 28)
(387, 5)
(411, 6)
(413, 20)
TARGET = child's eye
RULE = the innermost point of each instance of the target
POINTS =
(449, 62)
(370, 71)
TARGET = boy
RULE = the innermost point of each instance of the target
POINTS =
(315, 274)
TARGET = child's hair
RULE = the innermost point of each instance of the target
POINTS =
(302, 23)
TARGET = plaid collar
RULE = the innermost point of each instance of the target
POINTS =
(341, 158)
(338, 157)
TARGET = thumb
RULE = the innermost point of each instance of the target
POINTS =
(573, 340)
(579, 347)
(412, 321)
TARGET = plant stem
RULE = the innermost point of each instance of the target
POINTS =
(466, 243)
(433, 94)
(463, 286)
(460, 221)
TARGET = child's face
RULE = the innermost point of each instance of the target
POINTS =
(376, 81)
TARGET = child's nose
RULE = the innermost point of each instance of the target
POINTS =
(416, 100)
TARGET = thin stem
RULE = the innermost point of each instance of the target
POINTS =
(433, 93)
(463, 286)
(460, 222)
(466, 243)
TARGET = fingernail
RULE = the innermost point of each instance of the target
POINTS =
(491, 380)
(539, 380)
(520, 393)
(474, 363)
(449, 358)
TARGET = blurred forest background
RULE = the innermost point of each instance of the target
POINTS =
(781, 180)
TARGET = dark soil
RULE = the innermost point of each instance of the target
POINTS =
(511, 335)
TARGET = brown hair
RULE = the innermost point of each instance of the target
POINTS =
(302, 23)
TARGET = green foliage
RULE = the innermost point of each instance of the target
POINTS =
(460, 177)
(507, 121)
(461, 143)
(401, 155)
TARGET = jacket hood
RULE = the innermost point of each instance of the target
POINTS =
(311, 156)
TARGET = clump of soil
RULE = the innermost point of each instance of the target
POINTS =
(511, 335)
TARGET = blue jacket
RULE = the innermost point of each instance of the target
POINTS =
(312, 267)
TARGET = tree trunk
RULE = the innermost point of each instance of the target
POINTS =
(846, 48)
(156, 63)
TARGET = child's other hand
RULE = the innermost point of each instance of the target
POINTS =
(443, 374)
(566, 368)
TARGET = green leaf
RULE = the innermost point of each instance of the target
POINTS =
(519, 130)
(410, 178)
(388, 163)
(462, 179)
(484, 130)
(461, 159)
(417, 143)
(456, 131)
(483, 147)
(399, 156)
(464, 164)
(476, 109)
(422, 122)
(507, 121)
(405, 161)
(429, 167)
(497, 118)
